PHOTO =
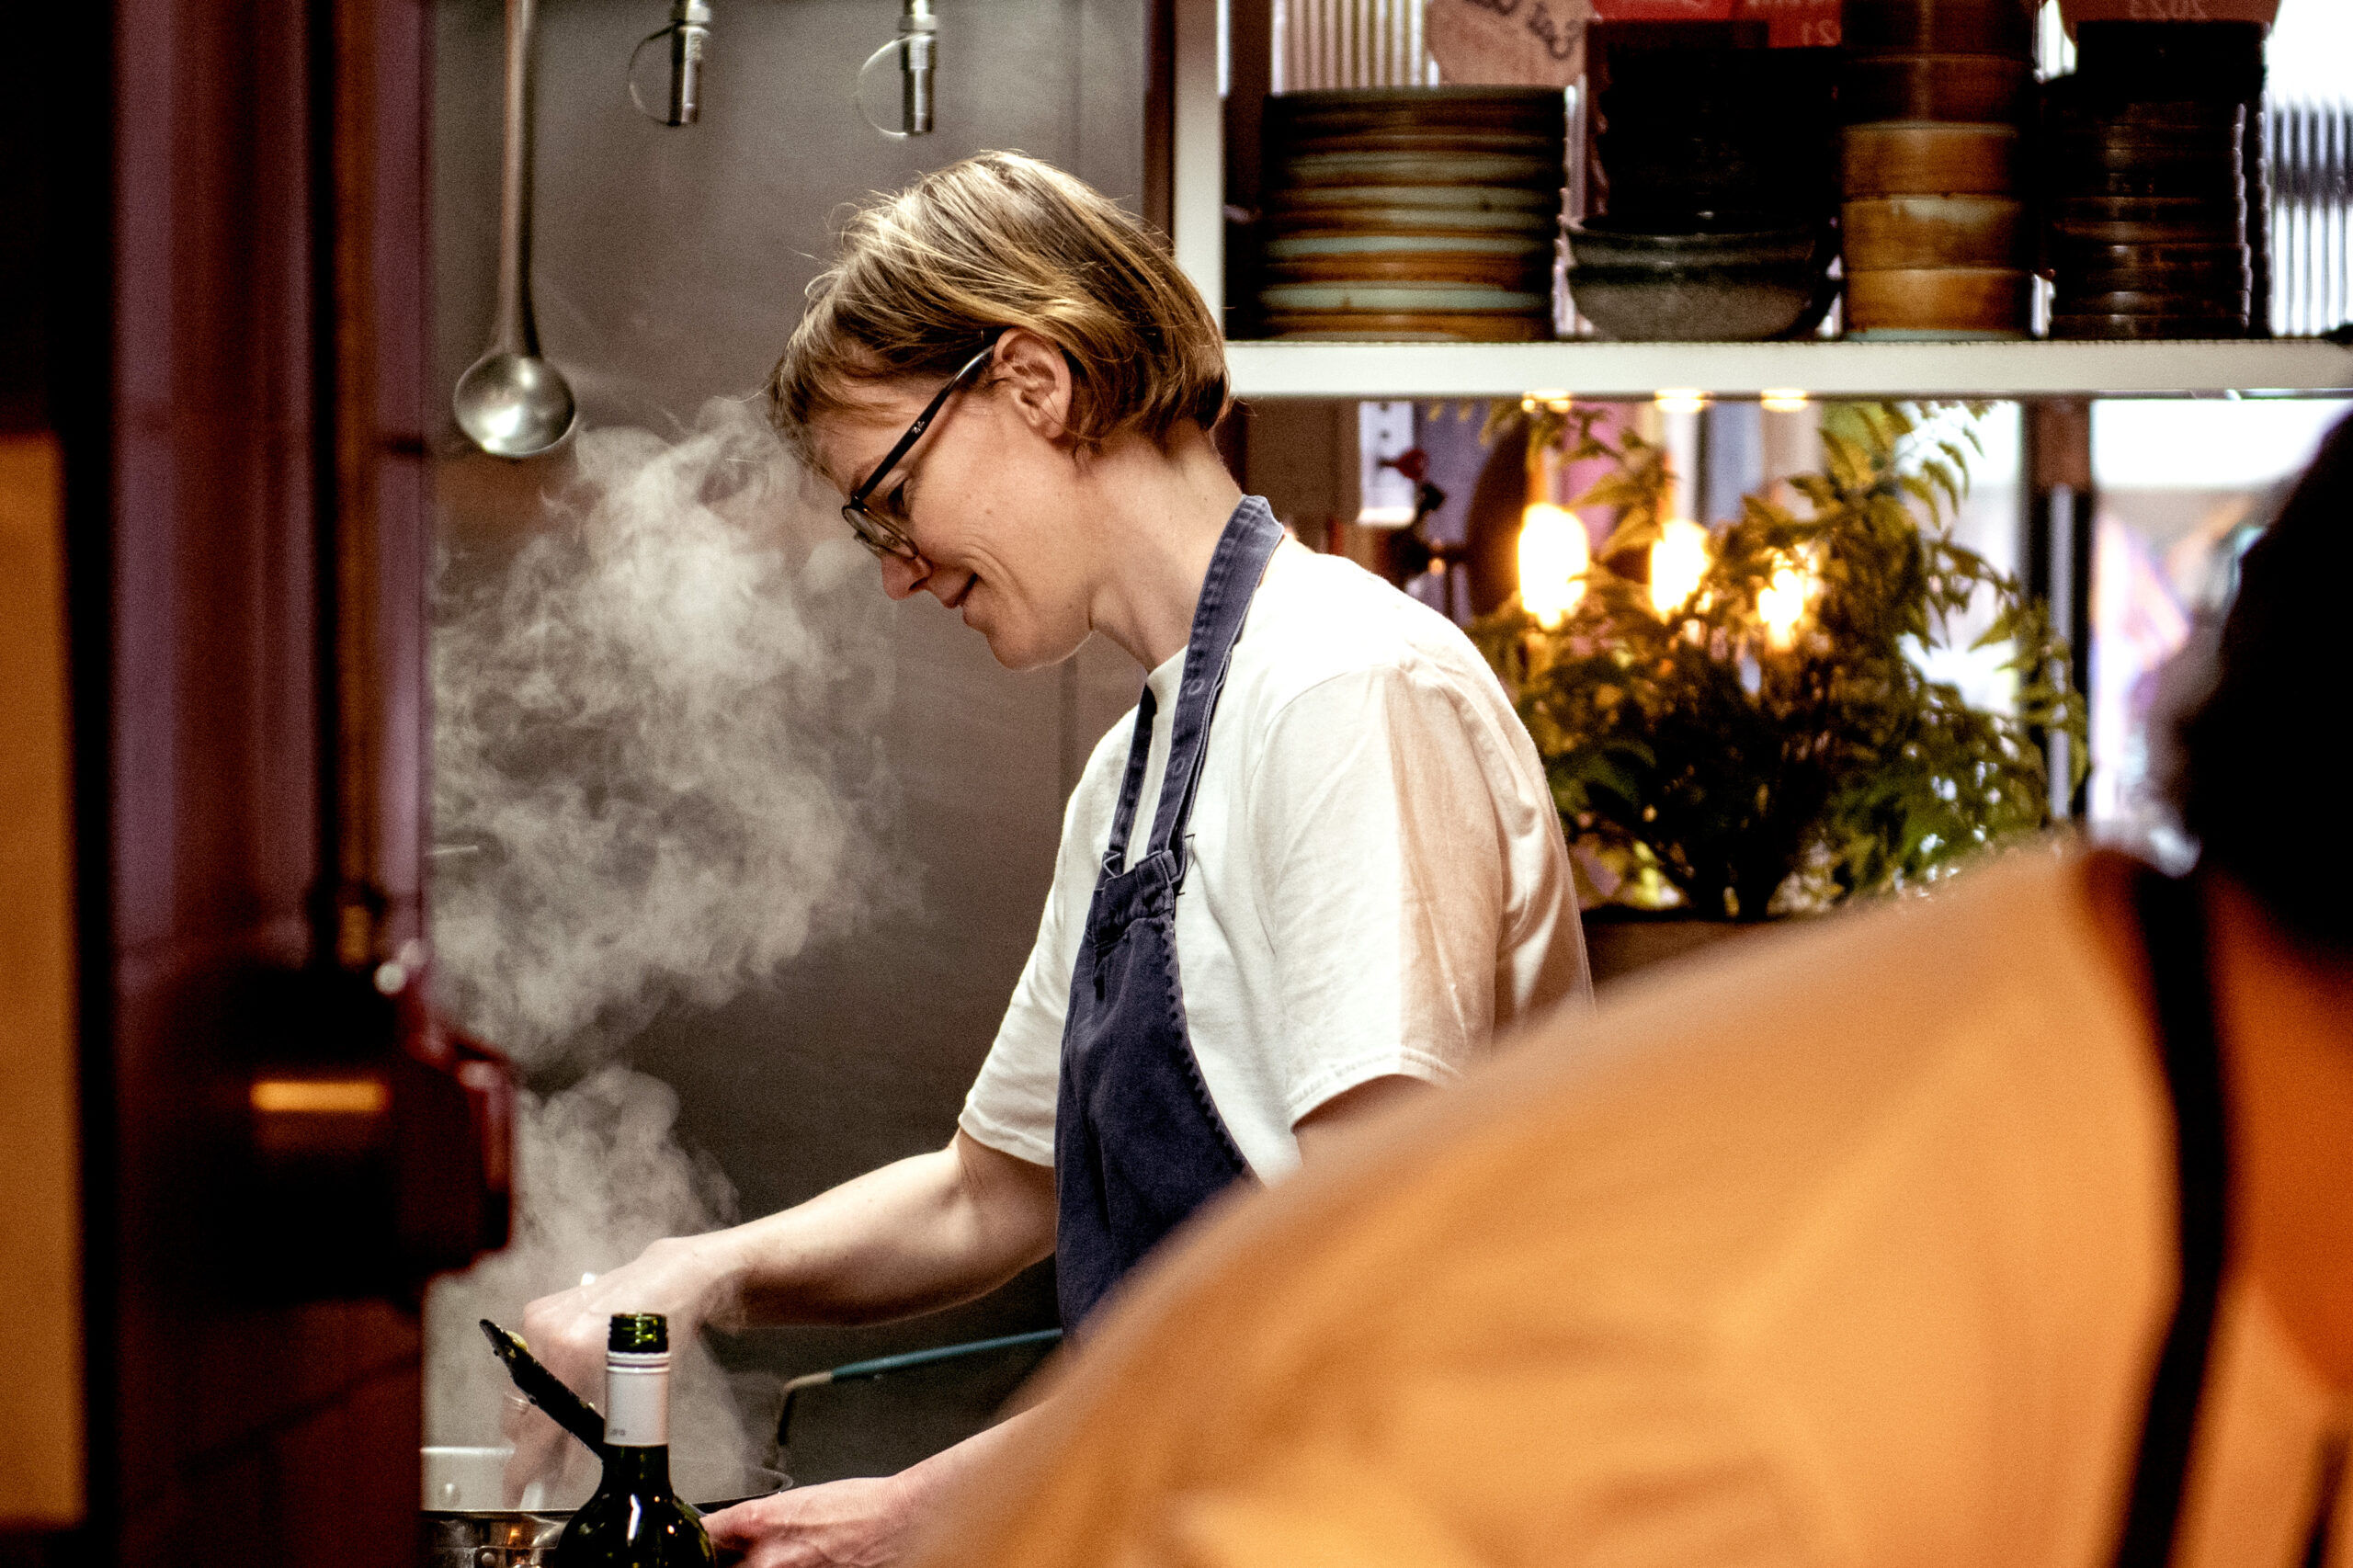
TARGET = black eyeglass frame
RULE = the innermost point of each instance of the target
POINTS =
(876, 532)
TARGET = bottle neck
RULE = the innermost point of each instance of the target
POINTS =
(636, 1399)
(634, 1469)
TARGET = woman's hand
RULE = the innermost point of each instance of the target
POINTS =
(857, 1523)
(843, 1524)
(685, 1277)
(922, 1233)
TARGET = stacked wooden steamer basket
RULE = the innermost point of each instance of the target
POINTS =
(2151, 223)
(1413, 214)
(1937, 96)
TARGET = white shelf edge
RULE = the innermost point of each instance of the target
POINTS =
(2302, 367)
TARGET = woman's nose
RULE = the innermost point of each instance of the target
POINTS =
(903, 576)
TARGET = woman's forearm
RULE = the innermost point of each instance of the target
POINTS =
(920, 1234)
(925, 1233)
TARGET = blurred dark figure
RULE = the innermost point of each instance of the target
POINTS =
(2009, 1226)
(2259, 768)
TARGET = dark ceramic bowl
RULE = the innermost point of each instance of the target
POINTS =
(1707, 288)
(1701, 304)
(1608, 245)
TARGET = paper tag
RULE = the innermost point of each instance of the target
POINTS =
(1507, 43)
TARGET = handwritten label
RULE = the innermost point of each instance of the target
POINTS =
(1508, 43)
(2074, 11)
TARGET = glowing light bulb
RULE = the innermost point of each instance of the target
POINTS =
(1680, 400)
(1780, 604)
(1783, 400)
(1678, 560)
(1553, 555)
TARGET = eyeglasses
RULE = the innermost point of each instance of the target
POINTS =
(884, 531)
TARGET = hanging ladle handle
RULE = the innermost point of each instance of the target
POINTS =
(514, 330)
(511, 403)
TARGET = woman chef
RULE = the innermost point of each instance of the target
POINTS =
(1320, 867)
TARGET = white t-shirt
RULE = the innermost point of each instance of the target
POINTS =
(1379, 882)
(1847, 1248)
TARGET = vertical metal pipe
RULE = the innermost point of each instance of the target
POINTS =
(348, 904)
(2059, 497)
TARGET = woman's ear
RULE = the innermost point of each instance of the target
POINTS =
(1031, 372)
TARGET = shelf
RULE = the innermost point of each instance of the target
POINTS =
(2303, 368)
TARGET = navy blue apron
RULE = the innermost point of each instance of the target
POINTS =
(1138, 1145)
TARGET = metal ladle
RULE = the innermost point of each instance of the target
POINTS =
(511, 403)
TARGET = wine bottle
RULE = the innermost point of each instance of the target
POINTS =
(635, 1520)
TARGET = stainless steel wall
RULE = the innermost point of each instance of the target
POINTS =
(670, 267)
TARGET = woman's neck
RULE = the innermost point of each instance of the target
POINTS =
(1160, 515)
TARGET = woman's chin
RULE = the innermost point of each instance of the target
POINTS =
(1021, 648)
(1016, 656)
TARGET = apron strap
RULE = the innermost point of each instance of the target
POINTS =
(1243, 551)
(2173, 928)
(1123, 818)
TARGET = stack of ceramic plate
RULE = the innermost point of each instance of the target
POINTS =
(1935, 94)
(2147, 208)
(1412, 213)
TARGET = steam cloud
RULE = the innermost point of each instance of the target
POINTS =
(655, 772)
(656, 780)
(601, 1173)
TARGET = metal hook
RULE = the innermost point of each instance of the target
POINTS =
(688, 31)
(917, 47)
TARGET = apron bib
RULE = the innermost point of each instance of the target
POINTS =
(1138, 1144)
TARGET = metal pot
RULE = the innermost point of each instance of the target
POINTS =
(458, 1532)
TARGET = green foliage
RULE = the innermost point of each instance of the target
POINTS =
(1699, 762)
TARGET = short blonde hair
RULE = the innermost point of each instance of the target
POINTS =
(925, 277)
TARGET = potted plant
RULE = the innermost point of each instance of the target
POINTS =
(1736, 721)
